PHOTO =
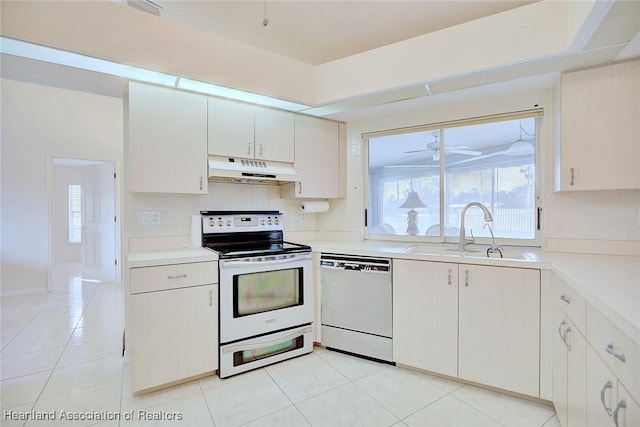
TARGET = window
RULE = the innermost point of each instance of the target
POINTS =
(75, 215)
(419, 180)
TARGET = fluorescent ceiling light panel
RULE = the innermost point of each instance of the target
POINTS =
(211, 89)
(70, 59)
(41, 53)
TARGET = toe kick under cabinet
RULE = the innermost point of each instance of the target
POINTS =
(479, 323)
(174, 323)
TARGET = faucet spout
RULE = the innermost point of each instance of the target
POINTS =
(463, 241)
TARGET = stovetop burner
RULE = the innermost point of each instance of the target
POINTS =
(246, 233)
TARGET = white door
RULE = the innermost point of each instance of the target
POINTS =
(98, 253)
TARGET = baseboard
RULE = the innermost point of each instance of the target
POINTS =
(15, 292)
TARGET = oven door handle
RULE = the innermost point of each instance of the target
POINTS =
(243, 347)
(239, 263)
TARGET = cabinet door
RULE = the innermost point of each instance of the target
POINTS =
(576, 377)
(425, 315)
(231, 128)
(499, 342)
(174, 335)
(559, 351)
(600, 133)
(167, 146)
(601, 392)
(629, 415)
(274, 135)
(317, 158)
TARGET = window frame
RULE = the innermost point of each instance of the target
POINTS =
(536, 241)
(71, 212)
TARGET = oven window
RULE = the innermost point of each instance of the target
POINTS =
(266, 290)
(248, 356)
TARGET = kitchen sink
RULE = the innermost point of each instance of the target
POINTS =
(512, 254)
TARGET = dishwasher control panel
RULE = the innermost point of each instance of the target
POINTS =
(340, 262)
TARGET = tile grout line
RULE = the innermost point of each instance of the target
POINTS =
(65, 347)
(476, 409)
(206, 402)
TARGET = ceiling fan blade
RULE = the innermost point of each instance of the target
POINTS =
(409, 166)
(473, 159)
(467, 152)
(414, 151)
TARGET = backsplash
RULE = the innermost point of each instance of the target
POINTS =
(176, 210)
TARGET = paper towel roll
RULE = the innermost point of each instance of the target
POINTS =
(196, 231)
(314, 206)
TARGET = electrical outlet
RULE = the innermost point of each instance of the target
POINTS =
(148, 217)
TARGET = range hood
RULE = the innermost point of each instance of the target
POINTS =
(234, 169)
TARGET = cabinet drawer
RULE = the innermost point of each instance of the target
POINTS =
(572, 303)
(174, 276)
(613, 346)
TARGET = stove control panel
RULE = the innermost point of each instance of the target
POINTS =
(239, 222)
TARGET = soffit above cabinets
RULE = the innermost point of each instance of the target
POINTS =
(475, 49)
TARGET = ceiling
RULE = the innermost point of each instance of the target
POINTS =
(316, 32)
(225, 42)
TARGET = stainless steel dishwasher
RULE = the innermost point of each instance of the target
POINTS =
(357, 305)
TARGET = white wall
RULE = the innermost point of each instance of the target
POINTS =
(176, 210)
(61, 249)
(39, 122)
(590, 222)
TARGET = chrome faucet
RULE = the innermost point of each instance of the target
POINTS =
(463, 241)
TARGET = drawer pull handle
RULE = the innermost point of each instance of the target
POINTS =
(607, 386)
(181, 276)
(621, 404)
(564, 322)
(572, 172)
(211, 301)
(466, 278)
(565, 299)
(564, 338)
(609, 348)
(449, 282)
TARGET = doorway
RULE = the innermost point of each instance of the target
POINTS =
(83, 217)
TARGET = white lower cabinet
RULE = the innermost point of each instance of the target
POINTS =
(425, 315)
(601, 392)
(609, 404)
(479, 323)
(569, 361)
(174, 331)
(499, 323)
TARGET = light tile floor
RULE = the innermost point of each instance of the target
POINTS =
(61, 351)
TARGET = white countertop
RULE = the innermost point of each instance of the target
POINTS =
(173, 256)
(535, 257)
(610, 283)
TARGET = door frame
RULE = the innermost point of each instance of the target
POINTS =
(51, 158)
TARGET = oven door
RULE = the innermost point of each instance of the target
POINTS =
(264, 350)
(264, 294)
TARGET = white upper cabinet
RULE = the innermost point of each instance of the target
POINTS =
(231, 130)
(274, 139)
(319, 159)
(167, 140)
(249, 131)
(599, 147)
